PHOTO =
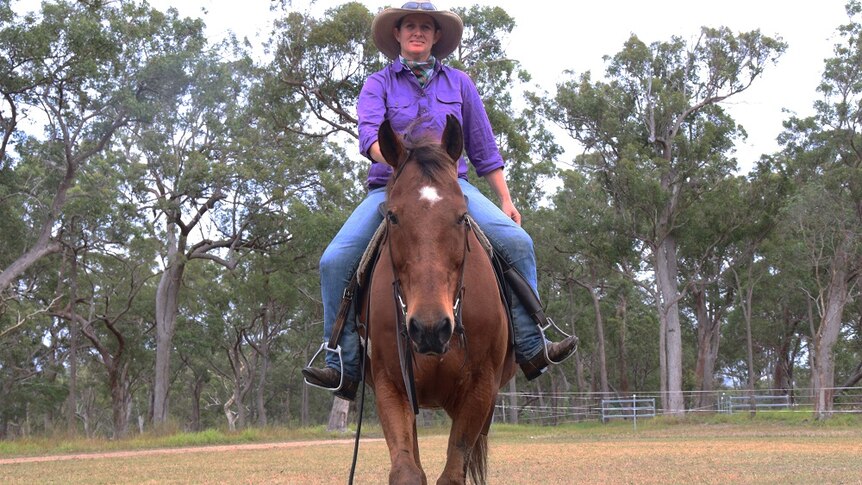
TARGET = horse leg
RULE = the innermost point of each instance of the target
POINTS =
(416, 452)
(399, 428)
(469, 417)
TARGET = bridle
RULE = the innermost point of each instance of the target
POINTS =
(405, 349)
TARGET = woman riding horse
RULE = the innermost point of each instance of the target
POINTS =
(415, 93)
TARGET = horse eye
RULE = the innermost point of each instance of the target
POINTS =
(462, 219)
(393, 219)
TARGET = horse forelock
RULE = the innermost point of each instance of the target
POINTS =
(433, 161)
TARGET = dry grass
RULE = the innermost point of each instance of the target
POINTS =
(684, 453)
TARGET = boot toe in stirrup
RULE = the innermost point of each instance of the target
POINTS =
(329, 378)
(560, 351)
(556, 352)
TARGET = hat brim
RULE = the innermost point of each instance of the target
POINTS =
(451, 29)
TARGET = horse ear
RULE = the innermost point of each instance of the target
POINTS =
(390, 144)
(453, 138)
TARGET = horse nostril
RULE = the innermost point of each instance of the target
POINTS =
(430, 337)
(444, 330)
(414, 328)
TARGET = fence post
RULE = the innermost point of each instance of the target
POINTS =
(635, 410)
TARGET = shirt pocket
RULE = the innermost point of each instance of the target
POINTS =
(449, 102)
(401, 110)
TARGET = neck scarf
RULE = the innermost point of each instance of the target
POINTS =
(421, 69)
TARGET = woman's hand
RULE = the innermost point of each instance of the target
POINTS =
(511, 211)
(498, 184)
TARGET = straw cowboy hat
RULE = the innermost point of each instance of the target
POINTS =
(450, 24)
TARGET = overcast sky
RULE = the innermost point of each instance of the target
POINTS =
(551, 37)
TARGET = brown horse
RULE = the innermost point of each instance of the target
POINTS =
(441, 276)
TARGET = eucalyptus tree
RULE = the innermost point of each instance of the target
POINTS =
(106, 282)
(592, 249)
(114, 319)
(197, 185)
(825, 215)
(217, 172)
(662, 140)
(320, 65)
(721, 257)
(83, 70)
(525, 143)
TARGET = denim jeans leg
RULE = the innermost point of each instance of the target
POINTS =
(513, 242)
(337, 266)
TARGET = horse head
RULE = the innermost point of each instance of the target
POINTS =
(427, 231)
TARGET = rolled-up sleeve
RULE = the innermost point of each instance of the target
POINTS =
(479, 141)
(371, 111)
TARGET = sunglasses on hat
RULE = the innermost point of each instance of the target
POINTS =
(419, 6)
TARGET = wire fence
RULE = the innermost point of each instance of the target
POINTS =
(551, 408)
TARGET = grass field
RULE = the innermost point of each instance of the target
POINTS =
(660, 451)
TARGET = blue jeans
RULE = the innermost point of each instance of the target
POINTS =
(341, 258)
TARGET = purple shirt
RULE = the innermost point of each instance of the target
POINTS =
(393, 93)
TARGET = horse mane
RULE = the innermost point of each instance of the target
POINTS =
(432, 158)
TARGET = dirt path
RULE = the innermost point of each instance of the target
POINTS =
(178, 451)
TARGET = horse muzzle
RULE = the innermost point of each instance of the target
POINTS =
(430, 338)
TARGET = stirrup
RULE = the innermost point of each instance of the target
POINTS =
(550, 323)
(337, 351)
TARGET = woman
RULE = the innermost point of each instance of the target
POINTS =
(416, 92)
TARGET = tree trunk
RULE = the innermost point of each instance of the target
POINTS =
(708, 335)
(788, 349)
(303, 404)
(241, 417)
(600, 344)
(229, 414)
(197, 390)
(167, 307)
(120, 398)
(338, 415)
(513, 401)
(583, 386)
(662, 351)
(666, 278)
(263, 350)
(749, 346)
(622, 313)
(72, 399)
(823, 373)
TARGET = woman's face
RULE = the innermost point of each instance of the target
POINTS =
(417, 35)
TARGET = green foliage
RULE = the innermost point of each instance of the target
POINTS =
(157, 139)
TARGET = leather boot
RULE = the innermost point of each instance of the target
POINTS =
(329, 378)
(556, 352)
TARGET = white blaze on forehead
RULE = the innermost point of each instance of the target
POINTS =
(430, 194)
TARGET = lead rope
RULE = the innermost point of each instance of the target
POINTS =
(362, 350)
(361, 409)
